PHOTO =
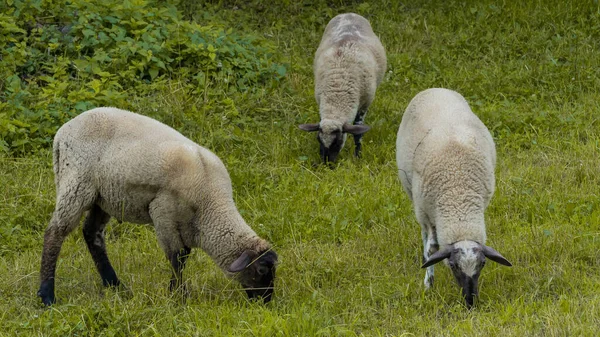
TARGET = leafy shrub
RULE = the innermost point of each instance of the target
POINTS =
(62, 58)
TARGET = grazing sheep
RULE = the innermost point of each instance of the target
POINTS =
(446, 158)
(112, 162)
(349, 65)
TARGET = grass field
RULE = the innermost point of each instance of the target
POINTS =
(348, 242)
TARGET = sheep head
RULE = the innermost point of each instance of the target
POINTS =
(256, 273)
(332, 136)
(466, 259)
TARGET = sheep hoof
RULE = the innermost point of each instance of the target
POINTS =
(47, 300)
(111, 282)
(428, 282)
(46, 292)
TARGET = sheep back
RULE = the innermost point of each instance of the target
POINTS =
(349, 64)
(132, 160)
(446, 159)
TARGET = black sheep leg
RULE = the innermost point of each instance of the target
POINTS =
(93, 233)
(67, 213)
(359, 120)
(178, 260)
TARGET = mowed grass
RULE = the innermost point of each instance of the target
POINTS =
(348, 242)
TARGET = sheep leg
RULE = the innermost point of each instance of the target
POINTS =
(167, 215)
(93, 233)
(359, 120)
(428, 281)
(176, 252)
(178, 260)
(430, 246)
(65, 218)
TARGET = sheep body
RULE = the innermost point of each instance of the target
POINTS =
(446, 159)
(113, 162)
(445, 150)
(349, 65)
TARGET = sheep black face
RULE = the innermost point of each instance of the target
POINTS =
(466, 259)
(332, 139)
(330, 145)
(256, 273)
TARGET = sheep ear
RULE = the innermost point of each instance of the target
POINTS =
(356, 129)
(309, 127)
(437, 257)
(240, 264)
(493, 255)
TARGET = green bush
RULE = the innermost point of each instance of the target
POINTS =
(62, 58)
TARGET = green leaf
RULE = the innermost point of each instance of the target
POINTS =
(82, 106)
(88, 32)
(153, 72)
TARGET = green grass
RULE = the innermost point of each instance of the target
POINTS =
(348, 241)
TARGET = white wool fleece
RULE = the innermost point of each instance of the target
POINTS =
(446, 159)
(349, 65)
(140, 170)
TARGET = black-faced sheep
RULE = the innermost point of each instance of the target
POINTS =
(446, 159)
(349, 65)
(111, 162)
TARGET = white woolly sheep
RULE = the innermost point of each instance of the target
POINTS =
(349, 65)
(446, 159)
(112, 162)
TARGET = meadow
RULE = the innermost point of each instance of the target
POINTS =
(348, 242)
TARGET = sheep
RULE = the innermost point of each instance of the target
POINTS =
(446, 159)
(116, 163)
(348, 67)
